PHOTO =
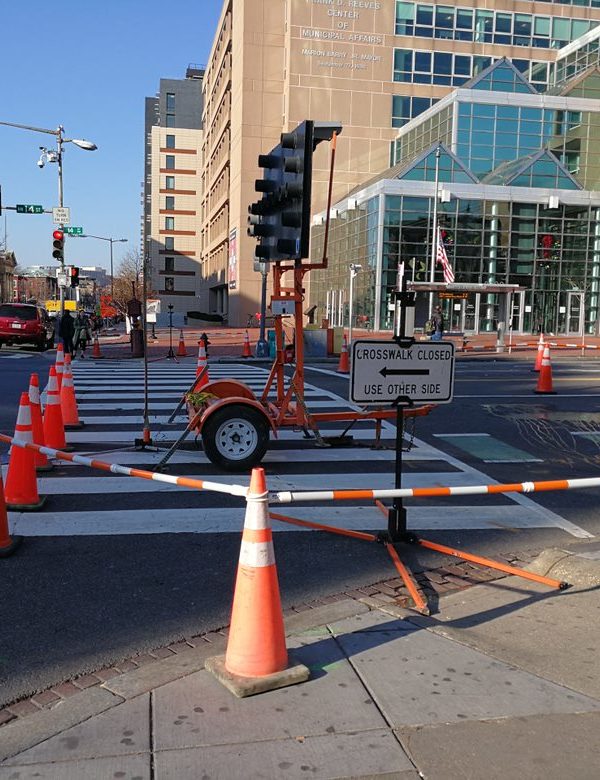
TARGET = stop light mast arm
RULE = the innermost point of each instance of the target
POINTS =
(323, 263)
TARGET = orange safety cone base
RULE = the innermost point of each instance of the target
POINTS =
(74, 426)
(11, 547)
(27, 507)
(249, 686)
(47, 467)
(545, 392)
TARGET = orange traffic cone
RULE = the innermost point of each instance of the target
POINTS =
(8, 544)
(59, 364)
(37, 425)
(540, 353)
(246, 352)
(344, 365)
(68, 401)
(54, 429)
(181, 350)
(256, 659)
(201, 363)
(544, 385)
(96, 350)
(21, 483)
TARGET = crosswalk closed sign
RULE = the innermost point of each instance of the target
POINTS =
(381, 372)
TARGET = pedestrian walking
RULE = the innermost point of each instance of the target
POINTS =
(82, 333)
(437, 324)
(66, 331)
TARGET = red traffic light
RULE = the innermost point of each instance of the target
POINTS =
(58, 235)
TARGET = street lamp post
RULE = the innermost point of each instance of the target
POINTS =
(112, 241)
(354, 270)
(56, 156)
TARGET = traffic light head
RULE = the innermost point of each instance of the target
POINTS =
(58, 243)
(74, 273)
(280, 220)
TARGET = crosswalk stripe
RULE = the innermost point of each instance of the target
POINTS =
(118, 387)
(231, 520)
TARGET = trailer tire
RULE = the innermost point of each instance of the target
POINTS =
(236, 437)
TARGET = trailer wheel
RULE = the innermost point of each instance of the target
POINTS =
(236, 437)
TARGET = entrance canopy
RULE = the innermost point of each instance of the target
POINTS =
(457, 287)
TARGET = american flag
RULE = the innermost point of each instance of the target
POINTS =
(442, 257)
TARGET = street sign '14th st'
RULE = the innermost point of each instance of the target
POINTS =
(382, 372)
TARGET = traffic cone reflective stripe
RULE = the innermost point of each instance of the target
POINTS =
(201, 363)
(256, 645)
(540, 353)
(59, 365)
(21, 482)
(246, 352)
(344, 365)
(96, 349)
(181, 350)
(37, 425)
(544, 385)
(8, 544)
(68, 401)
(54, 430)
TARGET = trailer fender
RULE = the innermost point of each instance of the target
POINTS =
(235, 401)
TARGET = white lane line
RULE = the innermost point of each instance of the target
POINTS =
(98, 437)
(476, 477)
(196, 457)
(116, 406)
(116, 484)
(231, 520)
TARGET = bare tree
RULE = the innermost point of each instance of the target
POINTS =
(128, 279)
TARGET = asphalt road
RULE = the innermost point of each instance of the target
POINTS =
(71, 605)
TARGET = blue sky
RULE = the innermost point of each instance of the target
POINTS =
(88, 65)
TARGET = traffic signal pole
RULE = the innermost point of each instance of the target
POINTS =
(59, 145)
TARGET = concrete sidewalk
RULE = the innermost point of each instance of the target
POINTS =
(503, 683)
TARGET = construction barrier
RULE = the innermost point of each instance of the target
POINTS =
(21, 491)
(290, 496)
(256, 659)
(344, 364)
(59, 365)
(201, 366)
(37, 423)
(181, 350)
(69, 457)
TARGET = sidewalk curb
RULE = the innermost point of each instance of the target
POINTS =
(25, 733)
(568, 566)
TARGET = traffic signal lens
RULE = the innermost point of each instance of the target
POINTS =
(58, 235)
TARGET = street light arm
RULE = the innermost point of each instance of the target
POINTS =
(35, 129)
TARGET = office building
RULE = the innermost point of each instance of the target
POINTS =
(171, 191)
(518, 203)
(373, 65)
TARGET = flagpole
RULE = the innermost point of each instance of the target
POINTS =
(434, 236)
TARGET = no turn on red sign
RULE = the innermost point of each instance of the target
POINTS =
(382, 371)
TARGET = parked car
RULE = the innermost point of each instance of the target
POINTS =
(25, 323)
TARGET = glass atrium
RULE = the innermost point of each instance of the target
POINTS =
(518, 203)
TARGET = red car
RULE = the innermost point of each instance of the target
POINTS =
(24, 323)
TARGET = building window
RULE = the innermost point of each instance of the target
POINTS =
(406, 108)
(500, 27)
(170, 101)
(170, 120)
(169, 223)
(170, 162)
(170, 183)
(169, 284)
(170, 143)
(169, 264)
(169, 243)
(170, 202)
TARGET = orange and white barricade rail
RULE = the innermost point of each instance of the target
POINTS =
(115, 468)
(290, 496)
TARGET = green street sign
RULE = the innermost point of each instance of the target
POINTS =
(23, 208)
(73, 231)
